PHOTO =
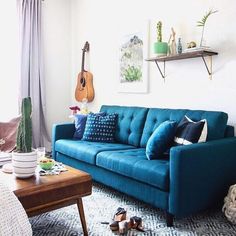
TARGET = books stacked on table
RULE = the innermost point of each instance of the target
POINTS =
(5, 158)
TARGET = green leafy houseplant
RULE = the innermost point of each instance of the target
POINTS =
(160, 48)
(203, 21)
(24, 133)
(24, 159)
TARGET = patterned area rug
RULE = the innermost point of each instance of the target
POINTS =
(101, 205)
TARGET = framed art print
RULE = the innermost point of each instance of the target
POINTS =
(133, 69)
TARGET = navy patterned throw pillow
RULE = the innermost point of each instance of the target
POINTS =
(80, 122)
(100, 128)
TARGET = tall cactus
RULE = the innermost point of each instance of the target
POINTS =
(24, 133)
(159, 33)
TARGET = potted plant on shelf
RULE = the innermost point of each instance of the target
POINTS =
(24, 159)
(202, 24)
(160, 48)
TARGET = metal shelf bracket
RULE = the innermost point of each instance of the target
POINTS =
(163, 74)
(208, 65)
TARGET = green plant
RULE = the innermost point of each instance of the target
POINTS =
(159, 31)
(24, 132)
(132, 74)
(203, 21)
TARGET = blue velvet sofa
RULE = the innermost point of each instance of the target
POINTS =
(194, 177)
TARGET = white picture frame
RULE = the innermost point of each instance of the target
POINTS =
(133, 68)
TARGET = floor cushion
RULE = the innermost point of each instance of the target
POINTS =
(134, 164)
(84, 150)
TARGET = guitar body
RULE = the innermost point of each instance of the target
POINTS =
(84, 88)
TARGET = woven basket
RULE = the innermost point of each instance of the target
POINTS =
(229, 207)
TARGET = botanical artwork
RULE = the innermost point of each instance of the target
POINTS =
(132, 64)
(131, 60)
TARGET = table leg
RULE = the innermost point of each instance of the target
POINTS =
(82, 217)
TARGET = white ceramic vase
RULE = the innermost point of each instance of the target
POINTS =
(24, 164)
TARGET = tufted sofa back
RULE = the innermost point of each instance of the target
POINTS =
(216, 121)
(130, 123)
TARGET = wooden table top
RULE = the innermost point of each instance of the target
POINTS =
(37, 183)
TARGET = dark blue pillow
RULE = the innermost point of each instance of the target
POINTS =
(80, 122)
(189, 132)
(160, 140)
(100, 128)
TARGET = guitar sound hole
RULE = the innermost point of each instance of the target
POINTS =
(83, 82)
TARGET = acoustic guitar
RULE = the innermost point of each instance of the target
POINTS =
(84, 88)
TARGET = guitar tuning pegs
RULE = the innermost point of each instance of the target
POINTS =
(87, 46)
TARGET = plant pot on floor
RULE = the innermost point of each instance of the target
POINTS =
(24, 164)
(161, 48)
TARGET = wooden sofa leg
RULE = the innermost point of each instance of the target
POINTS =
(169, 219)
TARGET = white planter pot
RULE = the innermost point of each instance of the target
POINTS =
(24, 164)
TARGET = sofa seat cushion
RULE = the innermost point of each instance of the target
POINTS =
(84, 150)
(134, 164)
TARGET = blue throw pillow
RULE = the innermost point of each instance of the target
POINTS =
(100, 128)
(80, 122)
(160, 140)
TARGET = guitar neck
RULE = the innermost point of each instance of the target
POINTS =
(82, 65)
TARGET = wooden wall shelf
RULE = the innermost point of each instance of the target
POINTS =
(185, 55)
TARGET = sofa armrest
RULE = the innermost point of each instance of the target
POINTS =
(200, 175)
(61, 131)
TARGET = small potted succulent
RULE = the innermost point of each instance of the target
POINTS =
(160, 48)
(24, 159)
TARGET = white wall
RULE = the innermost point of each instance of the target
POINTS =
(104, 22)
(57, 59)
(9, 57)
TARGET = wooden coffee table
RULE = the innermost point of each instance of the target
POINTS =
(40, 194)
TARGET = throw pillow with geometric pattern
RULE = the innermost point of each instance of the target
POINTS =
(80, 122)
(100, 128)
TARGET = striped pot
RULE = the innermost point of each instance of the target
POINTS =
(24, 164)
